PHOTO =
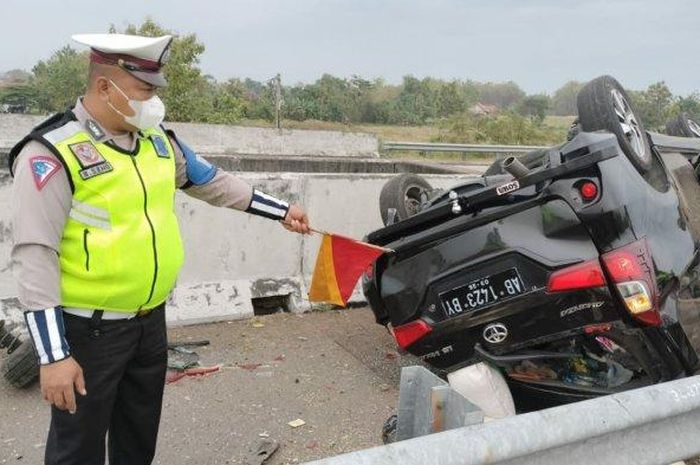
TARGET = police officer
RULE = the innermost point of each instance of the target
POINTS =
(97, 249)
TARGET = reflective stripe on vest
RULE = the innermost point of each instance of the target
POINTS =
(121, 248)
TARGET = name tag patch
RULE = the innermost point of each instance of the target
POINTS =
(86, 154)
(160, 146)
(96, 170)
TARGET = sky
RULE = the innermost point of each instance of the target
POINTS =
(539, 44)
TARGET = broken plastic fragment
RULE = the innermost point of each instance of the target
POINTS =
(297, 423)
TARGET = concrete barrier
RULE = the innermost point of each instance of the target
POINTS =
(235, 262)
(234, 140)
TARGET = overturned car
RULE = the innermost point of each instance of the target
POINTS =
(574, 270)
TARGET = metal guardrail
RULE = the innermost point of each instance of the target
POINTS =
(427, 405)
(461, 148)
(655, 425)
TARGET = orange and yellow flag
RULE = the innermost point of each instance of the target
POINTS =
(340, 263)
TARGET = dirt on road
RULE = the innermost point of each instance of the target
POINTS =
(337, 370)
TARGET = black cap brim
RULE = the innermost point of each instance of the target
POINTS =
(156, 79)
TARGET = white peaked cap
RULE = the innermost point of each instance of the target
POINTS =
(140, 56)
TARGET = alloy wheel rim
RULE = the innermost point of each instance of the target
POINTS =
(412, 199)
(694, 127)
(629, 125)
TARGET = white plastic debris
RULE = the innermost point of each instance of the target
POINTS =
(485, 387)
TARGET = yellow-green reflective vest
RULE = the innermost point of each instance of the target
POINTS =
(121, 248)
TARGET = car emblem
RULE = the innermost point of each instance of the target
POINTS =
(495, 333)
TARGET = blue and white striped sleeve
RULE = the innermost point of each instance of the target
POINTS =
(48, 333)
(263, 204)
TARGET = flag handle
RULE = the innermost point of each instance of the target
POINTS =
(383, 249)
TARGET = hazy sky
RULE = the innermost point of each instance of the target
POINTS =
(540, 44)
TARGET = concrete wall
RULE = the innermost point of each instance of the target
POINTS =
(232, 257)
(234, 140)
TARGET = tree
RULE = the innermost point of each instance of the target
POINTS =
(654, 106)
(59, 81)
(502, 94)
(20, 99)
(535, 106)
(188, 96)
(564, 99)
(229, 105)
(689, 105)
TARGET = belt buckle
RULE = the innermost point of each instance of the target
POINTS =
(142, 313)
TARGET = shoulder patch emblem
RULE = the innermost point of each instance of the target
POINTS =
(43, 168)
(160, 146)
(87, 154)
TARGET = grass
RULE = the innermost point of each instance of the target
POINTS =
(390, 132)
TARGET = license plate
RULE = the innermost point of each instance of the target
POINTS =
(482, 293)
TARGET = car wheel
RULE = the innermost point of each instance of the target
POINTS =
(574, 130)
(8, 339)
(403, 193)
(604, 105)
(21, 368)
(683, 126)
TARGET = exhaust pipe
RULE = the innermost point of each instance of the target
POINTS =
(513, 166)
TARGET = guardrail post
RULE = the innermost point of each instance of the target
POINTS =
(427, 404)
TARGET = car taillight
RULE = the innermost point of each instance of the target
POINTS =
(632, 271)
(580, 276)
(589, 190)
(409, 333)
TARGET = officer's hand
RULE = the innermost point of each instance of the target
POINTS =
(59, 381)
(296, 220)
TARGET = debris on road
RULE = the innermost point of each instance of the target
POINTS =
(176, 344)
(261, 450)
(297, 423)
(183, 362)
(181, 358)
(174, 375)
(249, 366)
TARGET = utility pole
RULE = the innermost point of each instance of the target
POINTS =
(278, 101)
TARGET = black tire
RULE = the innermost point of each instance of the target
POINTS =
(389, 430)
(683, 126)
(604, 105)
(402, 193)
(21, 368)
(574, 130)
(8, 339)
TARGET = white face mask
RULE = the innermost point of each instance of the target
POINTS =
(148, 114)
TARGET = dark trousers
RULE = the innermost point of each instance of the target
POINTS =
(124, 364)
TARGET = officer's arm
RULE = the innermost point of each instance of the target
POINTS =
(42, 200)
(204, 181)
